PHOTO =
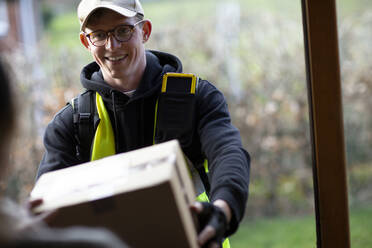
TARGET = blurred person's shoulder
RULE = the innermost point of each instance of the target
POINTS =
(14, 216)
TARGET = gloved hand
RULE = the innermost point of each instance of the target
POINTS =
(212, 224)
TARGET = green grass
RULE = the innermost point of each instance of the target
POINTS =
(64, 28)
(163, 12)
(64, 31)
(361, 227)
(277, 232)
(296, 232)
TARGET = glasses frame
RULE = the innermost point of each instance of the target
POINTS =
(112, 31)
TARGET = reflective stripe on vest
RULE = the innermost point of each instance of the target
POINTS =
(104, 140)
(104, 145)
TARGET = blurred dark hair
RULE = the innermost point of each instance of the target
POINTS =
(7, 104)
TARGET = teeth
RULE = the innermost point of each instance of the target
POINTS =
(115, 58)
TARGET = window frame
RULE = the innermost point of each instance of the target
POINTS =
(326, 123)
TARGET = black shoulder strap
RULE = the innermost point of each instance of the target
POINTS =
(85, 119)
(176, 107)
(176, 113)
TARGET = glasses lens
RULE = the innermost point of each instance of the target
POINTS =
(123, 33)
(98, 38)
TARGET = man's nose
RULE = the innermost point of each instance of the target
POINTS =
(112, 42)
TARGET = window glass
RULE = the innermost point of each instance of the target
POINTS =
(253, 51)
(355, 36)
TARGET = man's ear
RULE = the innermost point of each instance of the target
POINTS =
(84, 40)
(146, 30)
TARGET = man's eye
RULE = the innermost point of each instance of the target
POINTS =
(123, 30)
(98, 36)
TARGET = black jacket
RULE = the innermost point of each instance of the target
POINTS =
(133, 121)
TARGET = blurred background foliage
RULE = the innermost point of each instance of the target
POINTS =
(253, 51)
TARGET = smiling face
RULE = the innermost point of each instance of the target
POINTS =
(122, 63)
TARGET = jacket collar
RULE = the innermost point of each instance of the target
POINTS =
(157, 64)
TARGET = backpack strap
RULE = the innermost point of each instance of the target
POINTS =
(175, 109)
(85, 121)
(175, 115)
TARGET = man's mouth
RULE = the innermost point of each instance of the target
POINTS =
(116, 58)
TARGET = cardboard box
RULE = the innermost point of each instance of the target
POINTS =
(143, 196)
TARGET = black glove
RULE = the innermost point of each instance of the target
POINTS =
(215, 217)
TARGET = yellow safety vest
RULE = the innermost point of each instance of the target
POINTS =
(104, 144)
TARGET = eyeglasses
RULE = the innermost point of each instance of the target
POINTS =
(121, 33)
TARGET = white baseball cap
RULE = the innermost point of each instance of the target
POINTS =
(128, 8)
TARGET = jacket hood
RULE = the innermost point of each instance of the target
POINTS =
(157, 64)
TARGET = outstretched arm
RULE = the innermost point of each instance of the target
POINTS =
(59, 142)
(228, 162)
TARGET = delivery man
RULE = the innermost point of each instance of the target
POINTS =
(136, 98)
